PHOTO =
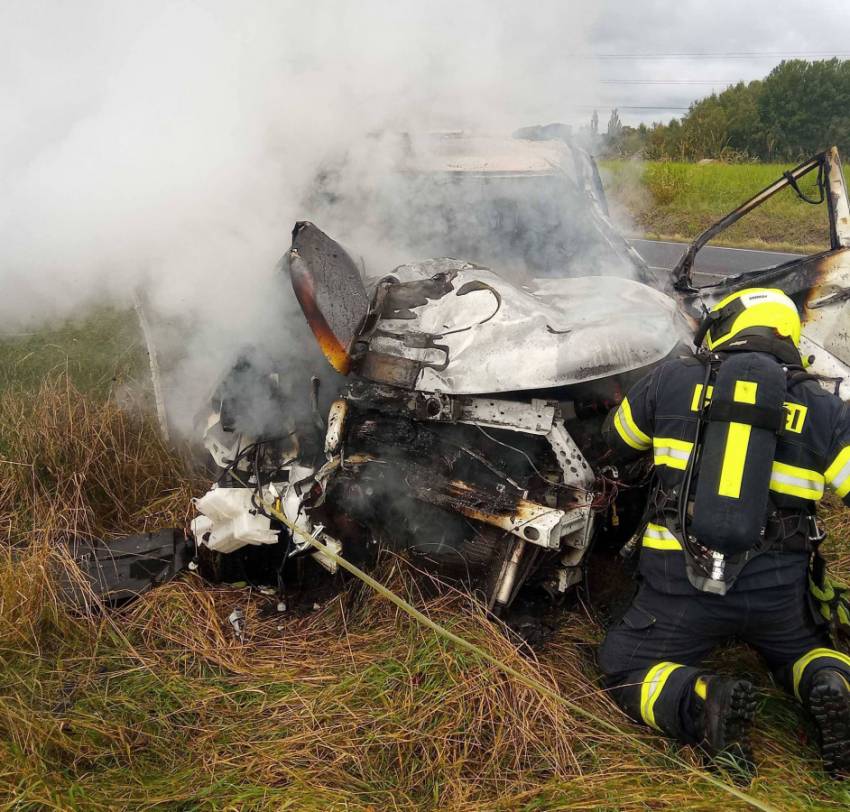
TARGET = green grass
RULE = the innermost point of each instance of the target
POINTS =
(97, 352)
(678, 200)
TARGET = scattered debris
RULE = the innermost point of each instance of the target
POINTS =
(237, 619)
(122, 569)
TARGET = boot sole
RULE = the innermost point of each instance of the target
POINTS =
(737, 722)
(830, 708)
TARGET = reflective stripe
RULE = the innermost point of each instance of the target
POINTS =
(628, 429)
(745, 391)
(651, 688)
(796, 417)
(701, 688)
(811, 656)
(734, 457)
(737, 441)
(800, 482)
(625, 435)
(658, 537)
(697, 396)
(838, 474)
(671, 452)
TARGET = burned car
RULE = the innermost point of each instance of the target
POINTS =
(464, 423)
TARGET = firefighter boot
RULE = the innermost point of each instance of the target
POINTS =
(829, 704)
(724, 711)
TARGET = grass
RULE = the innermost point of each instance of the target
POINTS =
(352, 707)
(668, 200)
(99, 352)
(75, 466)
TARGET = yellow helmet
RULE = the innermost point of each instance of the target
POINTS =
(752, 310)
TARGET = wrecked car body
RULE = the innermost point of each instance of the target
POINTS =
(466, 433)
(464, 429)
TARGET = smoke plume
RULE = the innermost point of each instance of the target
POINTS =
(170, 146)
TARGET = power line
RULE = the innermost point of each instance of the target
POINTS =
(609, 106)
(671, 81)
(720, 55)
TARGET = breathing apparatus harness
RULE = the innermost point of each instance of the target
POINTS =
(682, 507)
(725, 523)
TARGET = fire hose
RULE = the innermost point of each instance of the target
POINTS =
(529, 682)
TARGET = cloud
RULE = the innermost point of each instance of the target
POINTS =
(764, 29)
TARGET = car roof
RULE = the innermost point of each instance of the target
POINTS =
(484, 155)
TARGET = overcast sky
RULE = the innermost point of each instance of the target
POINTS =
(767, 29)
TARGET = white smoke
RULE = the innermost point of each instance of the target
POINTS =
(172, 145)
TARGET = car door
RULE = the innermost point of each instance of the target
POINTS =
(819, 283)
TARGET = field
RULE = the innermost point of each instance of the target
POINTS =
(102, 354)
(677, 201)
(352, 707)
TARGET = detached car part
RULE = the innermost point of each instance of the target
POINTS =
(121, 570)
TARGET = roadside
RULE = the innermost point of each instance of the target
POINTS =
(676, 201)
(349, 706)
(98, 352)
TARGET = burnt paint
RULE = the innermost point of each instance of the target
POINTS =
(402, 297)
(330, 291)
(799, 278)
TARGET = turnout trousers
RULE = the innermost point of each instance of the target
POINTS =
(651, 658)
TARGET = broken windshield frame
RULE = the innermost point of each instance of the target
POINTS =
(682, 273)
(537, 224)
(818, 283)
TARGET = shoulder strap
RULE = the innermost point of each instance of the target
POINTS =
(761, 417)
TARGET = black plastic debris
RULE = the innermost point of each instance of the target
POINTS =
(122, 569)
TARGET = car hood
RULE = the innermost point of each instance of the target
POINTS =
(475, 332)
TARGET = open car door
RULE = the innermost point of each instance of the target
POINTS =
(818, 283)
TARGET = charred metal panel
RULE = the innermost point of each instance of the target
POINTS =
(390, 369)
(576, 469)
(528, 520)
(819, 284)
(330, 291)
(535, 418)
(494, 413)
(401, 298)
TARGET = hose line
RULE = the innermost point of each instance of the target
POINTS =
(529, 682)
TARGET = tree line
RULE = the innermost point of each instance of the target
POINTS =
(800, 108)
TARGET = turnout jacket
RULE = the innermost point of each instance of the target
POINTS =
(659, 416)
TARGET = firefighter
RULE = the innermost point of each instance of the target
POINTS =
(743, 443)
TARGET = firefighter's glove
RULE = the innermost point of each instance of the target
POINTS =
(833, 600)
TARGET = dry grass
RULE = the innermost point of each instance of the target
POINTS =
(75, 467)
(352, 707)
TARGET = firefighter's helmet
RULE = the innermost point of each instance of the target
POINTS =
(752, 312)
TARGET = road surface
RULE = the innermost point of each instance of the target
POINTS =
(712, 261)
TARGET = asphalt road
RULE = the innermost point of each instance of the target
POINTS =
(712, 261)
